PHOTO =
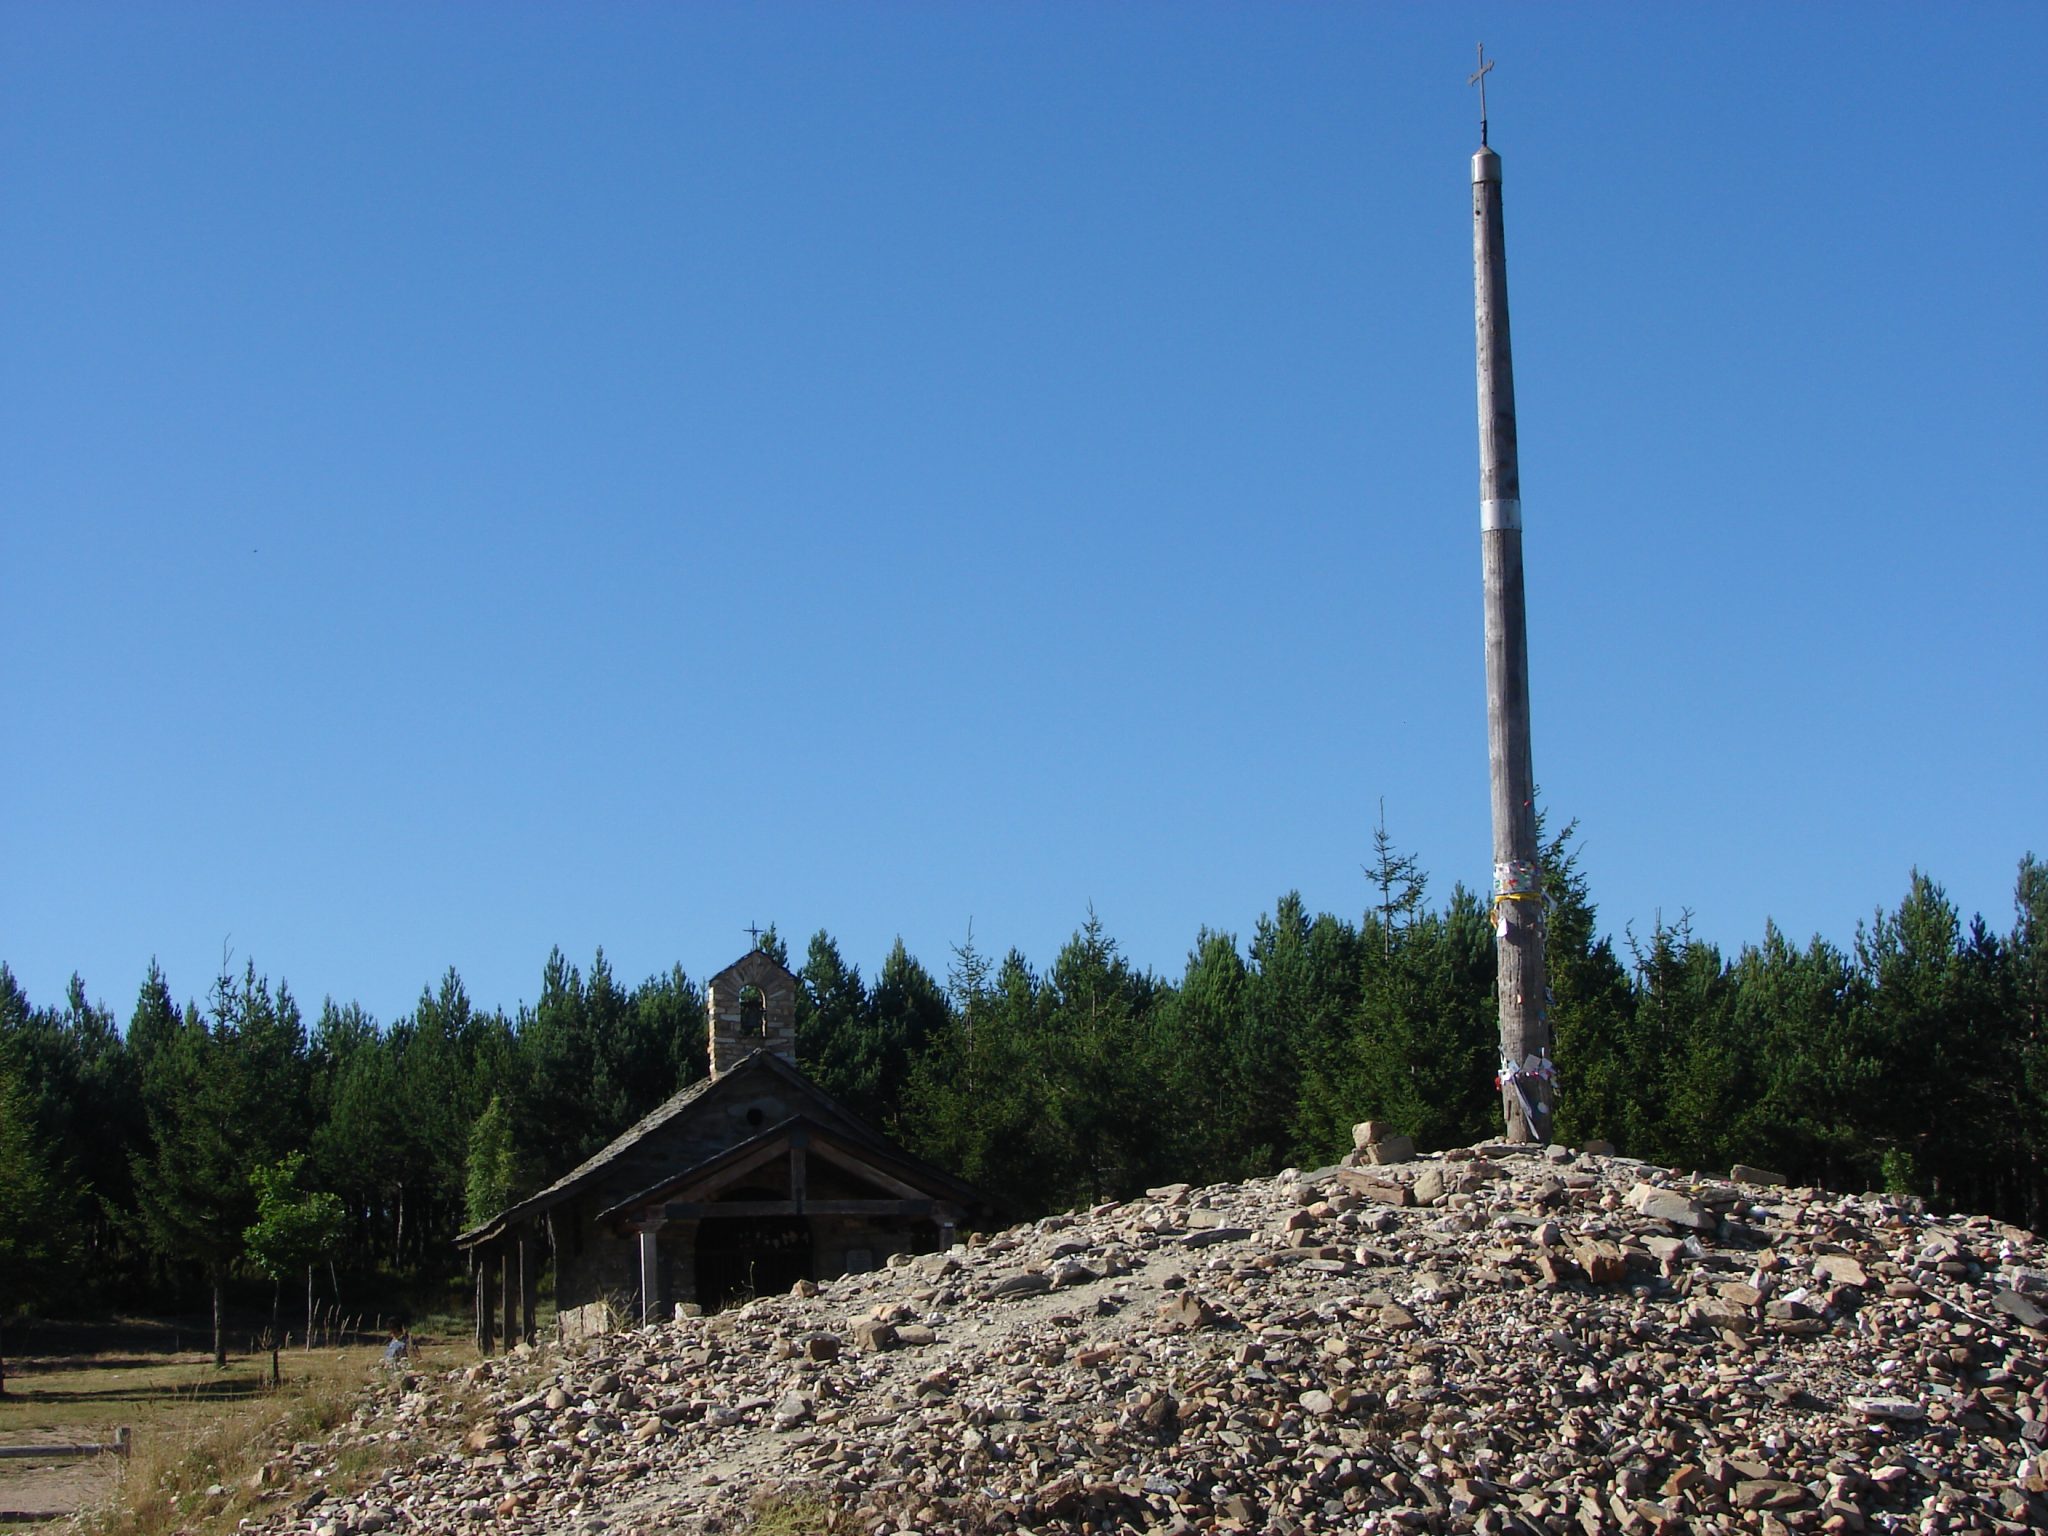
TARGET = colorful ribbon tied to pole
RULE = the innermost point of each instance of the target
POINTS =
(1517, 880)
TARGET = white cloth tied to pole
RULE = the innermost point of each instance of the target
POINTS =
(1538, 1068)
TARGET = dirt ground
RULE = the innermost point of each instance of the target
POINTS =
(31, 1494)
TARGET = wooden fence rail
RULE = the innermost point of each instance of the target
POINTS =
(56, 1452)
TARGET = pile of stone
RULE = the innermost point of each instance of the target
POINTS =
(1494, 1339)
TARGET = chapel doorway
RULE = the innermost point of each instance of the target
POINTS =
(741, 1257)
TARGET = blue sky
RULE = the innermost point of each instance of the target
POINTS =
(479, 478)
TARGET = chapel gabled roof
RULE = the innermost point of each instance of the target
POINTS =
(884, 1154)
(592, 1168)
(587, 1171)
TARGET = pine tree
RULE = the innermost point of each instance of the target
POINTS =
(362, 1138)
(906, 1011)
(982, 1099)
(671, 1012)
(832, 1025)
(37, 1233)
(1427, 1040)
(557, 1062)
(1097, 1063)
(493, 1172)
(1305, 983)
(224, 1095)
(192, 1181)
(2028, 951)
(1223, 1090)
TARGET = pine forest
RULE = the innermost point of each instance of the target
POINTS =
(223, 1149)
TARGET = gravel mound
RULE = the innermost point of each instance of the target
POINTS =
(1496, 1339)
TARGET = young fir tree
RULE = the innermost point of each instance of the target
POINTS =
(1400, 881)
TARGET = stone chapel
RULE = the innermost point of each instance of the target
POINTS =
(745, 1182)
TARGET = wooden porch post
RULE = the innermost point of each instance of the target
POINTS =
(682, 1247)
(650, 1270)
(799, 1167)
(508, 1291)
(528, 1262)
(484, 1315)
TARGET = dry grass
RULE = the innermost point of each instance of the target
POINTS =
(200, 1473)
(789, 1512)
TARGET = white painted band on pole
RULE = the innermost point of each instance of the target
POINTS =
(1501, 515)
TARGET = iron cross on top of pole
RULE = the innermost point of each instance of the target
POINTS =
(1478, 78)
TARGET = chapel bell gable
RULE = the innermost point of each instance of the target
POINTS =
(752, 1007)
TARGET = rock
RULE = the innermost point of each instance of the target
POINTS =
(793, 1409)
(1769, 1493)
(1369, 1133)
(873, 1336)
(1713, 1312)
(1214, 1235)
(1428, 1188)
(1394, 1149)
(1840, 1269)
(1187, 1310)
(1602, 1262)
(1895, 1409)
(1025, 1283)
(2019, 1309)
(1667, 1251)
(1556, 1269)
(1667, 1206)
(1742, 1173)
(1380, 1190)
(820, 1347)
(1432, 1286)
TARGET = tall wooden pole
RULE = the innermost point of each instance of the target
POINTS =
(1527, 1079)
